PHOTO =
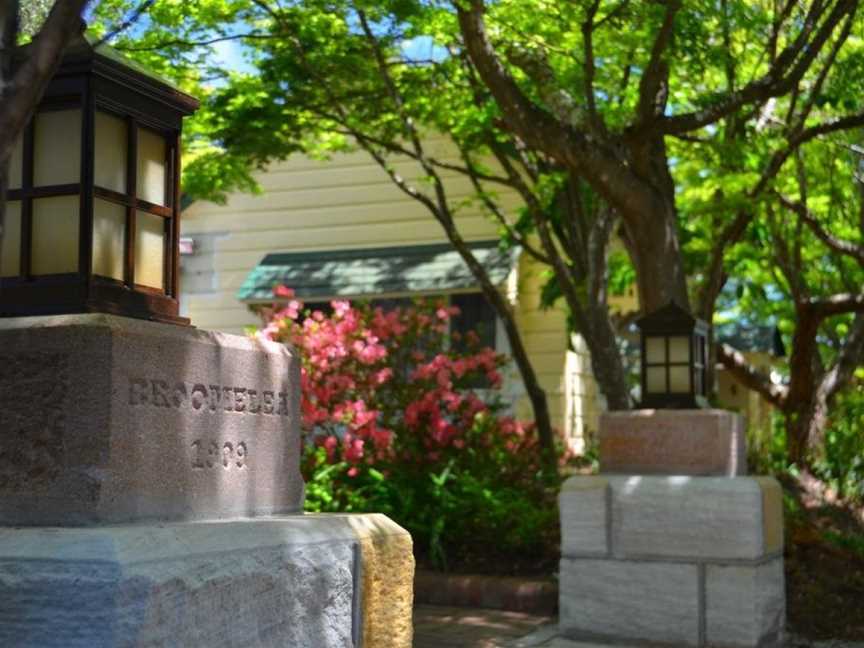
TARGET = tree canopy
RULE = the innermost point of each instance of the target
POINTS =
(718, 139)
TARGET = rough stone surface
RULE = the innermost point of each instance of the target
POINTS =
(107, 420)
(744, 605)
(692, 518)
(629, 601)
(583, 503)
(388, 582)
(282, 581)
(673, 442)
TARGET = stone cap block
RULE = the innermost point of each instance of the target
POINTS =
(108, 419)
(673, 442)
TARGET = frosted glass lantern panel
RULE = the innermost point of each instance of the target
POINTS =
(109, 229)
(111, 146)
(152, 171)
(655, 380)
(10, 262)
(679, 349)
(55, 235)
(57, 148)
(655, 350)
(679, 380)
(150, 250)
(16, 165)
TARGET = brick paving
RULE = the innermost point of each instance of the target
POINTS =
(454, 627)
(461, 627)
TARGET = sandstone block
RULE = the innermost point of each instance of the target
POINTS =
(282, 581)
(621, 601)
(583, 504)
(673, 442)
(387, 579)
(107, 419)
(695, 518)
(744, 605)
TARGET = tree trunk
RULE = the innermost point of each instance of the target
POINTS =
(536, 393)
(652, 231)
(805, 430)
(808, 421)
(9, 10)
(606, 358)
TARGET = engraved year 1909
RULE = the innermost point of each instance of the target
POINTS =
(213, 454)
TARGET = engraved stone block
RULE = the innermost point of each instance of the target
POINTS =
(673, 442)
(583, 503)
(701, 518)
(106, 419)
(619, 601)
(744, 605)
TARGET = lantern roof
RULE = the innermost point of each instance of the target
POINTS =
(671, 318)
(87, 53)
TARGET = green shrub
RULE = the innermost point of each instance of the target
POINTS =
(398, 420)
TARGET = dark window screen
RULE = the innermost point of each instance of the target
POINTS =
(475, 314)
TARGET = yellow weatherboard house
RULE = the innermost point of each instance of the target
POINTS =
(339, 228)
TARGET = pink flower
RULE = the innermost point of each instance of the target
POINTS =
(341, 307)
(353, 448)
(382, 376)
(283, 291)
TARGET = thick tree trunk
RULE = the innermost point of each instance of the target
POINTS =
(652, 231)
(807, 422)
(805, 430)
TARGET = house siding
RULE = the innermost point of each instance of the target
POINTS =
(349, 202)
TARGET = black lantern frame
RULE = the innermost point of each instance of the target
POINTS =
(124, 188)
(674, 355)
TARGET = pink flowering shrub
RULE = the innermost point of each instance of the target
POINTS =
(394, 421)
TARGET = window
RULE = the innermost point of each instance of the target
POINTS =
(475, 314)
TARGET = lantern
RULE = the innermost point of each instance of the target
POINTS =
(674, 357)
(92, 220)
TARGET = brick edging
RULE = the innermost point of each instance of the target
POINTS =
(529, 595)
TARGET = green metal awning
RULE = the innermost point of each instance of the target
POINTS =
(762, 339)
(376, 271)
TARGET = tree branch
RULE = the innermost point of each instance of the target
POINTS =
(588, 67)
(179, 42)
(654, 85)
(572, 147)
(840, 304)
(850, 358)
(750, 377)
(28, 84)
(838, 245)
(493, 209)
(784, 73)
(127, 23)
